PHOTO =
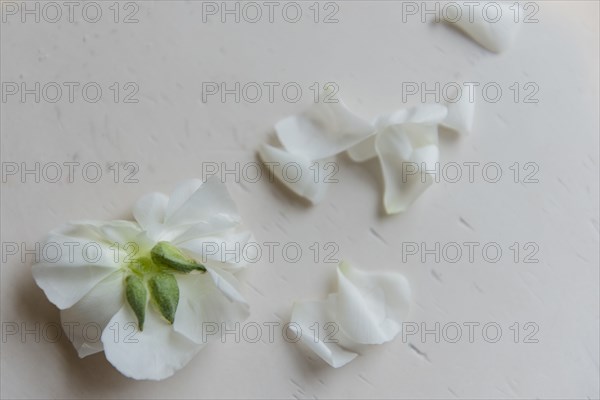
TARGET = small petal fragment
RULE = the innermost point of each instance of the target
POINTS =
(294, 172)
(494, 28)
(165, 294)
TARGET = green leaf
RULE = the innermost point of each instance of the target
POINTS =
(165, 293)
(136, 294)
(167, 255)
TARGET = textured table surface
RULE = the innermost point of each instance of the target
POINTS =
(547, 311)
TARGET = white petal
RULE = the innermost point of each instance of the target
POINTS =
(85, 321)
(149, 211)
(294, 172)
(368, 308)
(227, 284)
(229, 250)
(155, 353)
(371, 306)
(402, 149)
(364, 150)
(203, 207)
(85, 255)
(460, 115)
(424, 114)
(322, 131)
(206, 299)
(495, 34)
(302, 323)
(183, 191)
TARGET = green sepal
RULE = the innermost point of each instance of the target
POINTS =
(136, 294)
(165, 294)
(167, 255)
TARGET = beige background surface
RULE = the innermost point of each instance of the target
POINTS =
(369, 53)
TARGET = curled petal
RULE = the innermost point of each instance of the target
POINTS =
(294, 172)
(86, 319)
(85, 255)
(364, 150)
(368, 308)
(304, 316)
(495, 31)
(406, 152)
(371, 306)
(460, 117)
(155, 353)
(429, 114)
(324, 130)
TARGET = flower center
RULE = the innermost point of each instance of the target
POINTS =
(154, 275)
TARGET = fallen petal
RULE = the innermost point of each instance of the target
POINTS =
(430, 114)
(406, 152)
(294, 171)
(322, 131)
(496, 31)
(371, 306)
(368, 308)
(460, 115)
(302, 324)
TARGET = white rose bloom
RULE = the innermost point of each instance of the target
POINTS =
(149, 285)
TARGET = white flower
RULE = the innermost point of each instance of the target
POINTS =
(368, 308)
(406, 143)
(492, 24)
(149, 285)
